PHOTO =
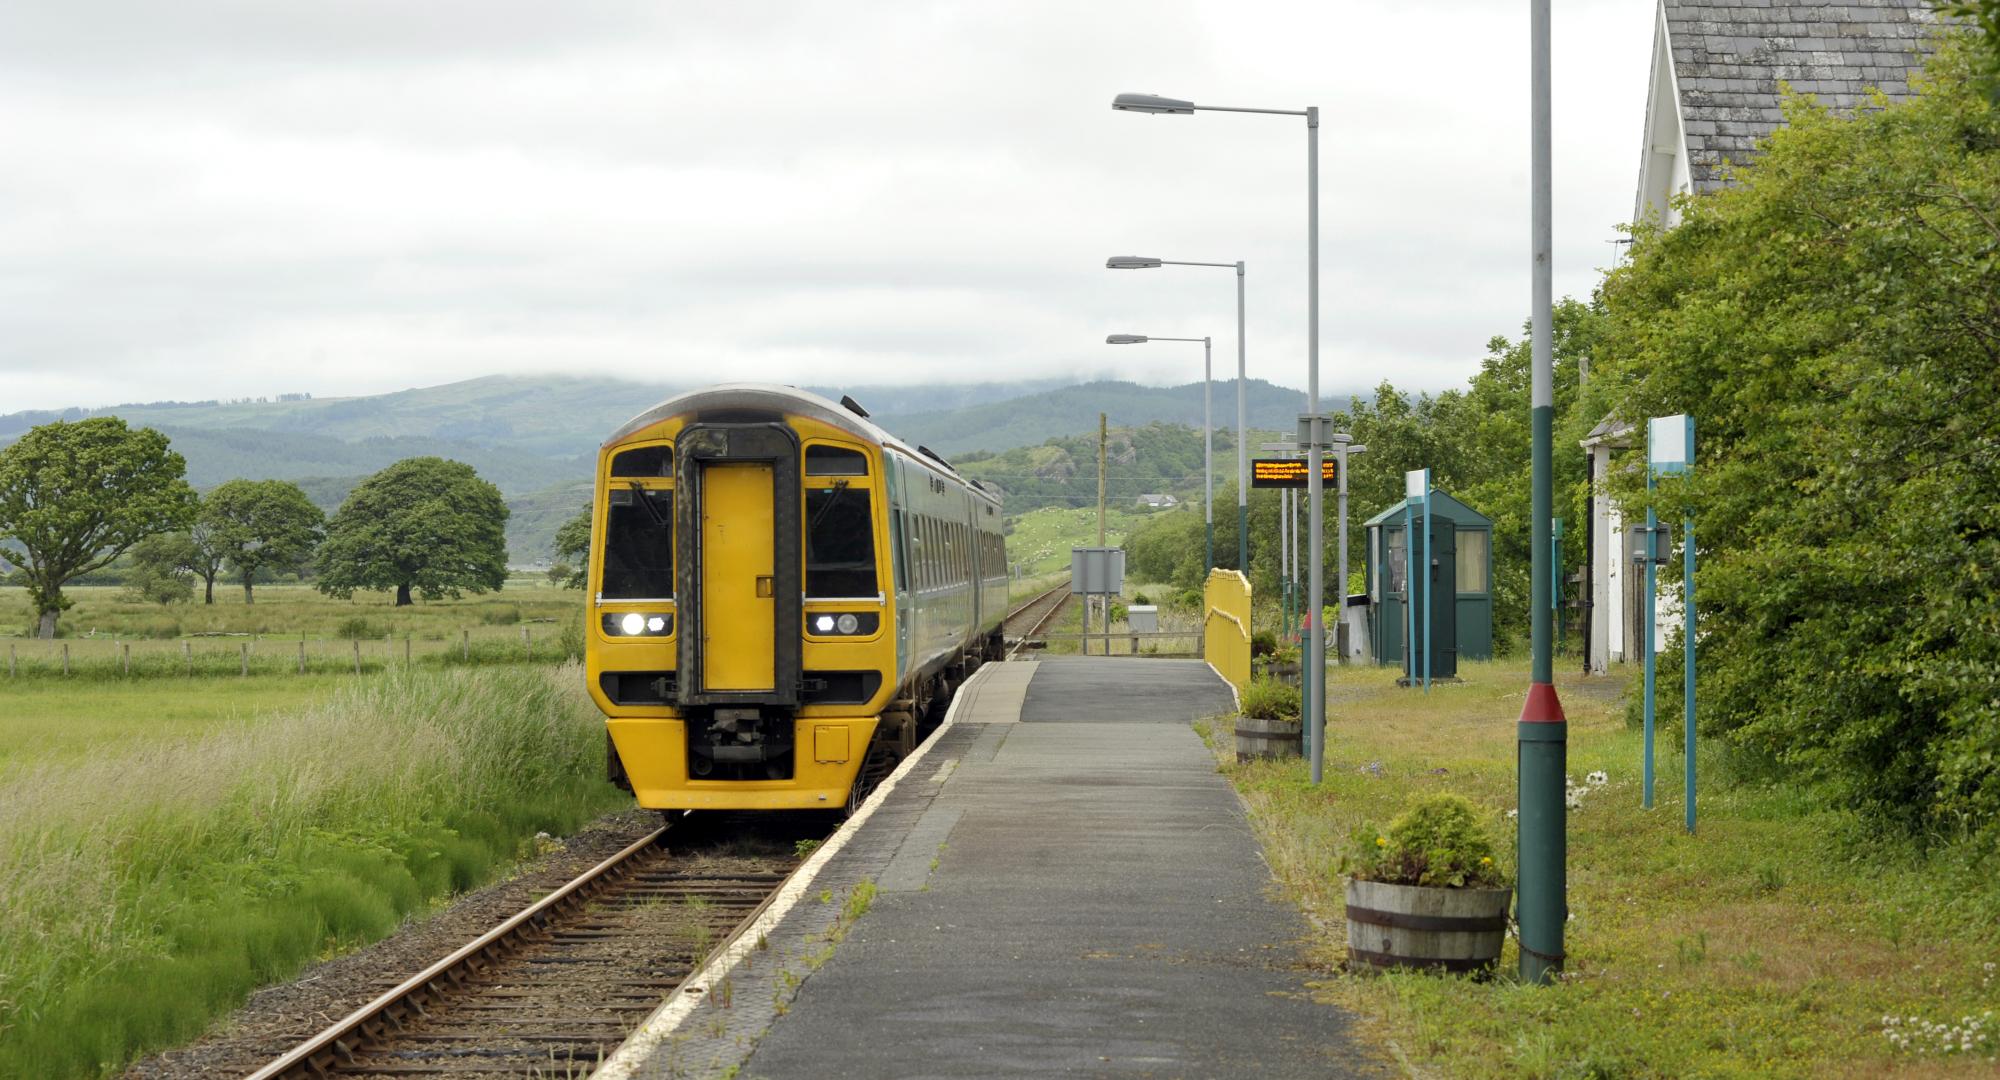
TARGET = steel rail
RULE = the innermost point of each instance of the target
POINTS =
(344, 1037)
(1055, 596)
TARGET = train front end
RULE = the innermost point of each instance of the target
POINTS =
(742, 642)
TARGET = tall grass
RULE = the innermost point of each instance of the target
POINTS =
(143, 894)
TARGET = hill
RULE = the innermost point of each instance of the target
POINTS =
(534, 436)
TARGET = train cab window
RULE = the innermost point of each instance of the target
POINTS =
(835, 461)
(639, 545)
(647, 461)
(840, 543)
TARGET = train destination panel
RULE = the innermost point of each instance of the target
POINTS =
(1288, 472)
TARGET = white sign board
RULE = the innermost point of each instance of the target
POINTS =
(1670, 443)
(1416, 483)
(1094, 571)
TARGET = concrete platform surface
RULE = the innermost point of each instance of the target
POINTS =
(1079, 896)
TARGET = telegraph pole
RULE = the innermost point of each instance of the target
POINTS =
(1542, 732)
(1103, 437)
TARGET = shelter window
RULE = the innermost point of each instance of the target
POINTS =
(1394, 542)
(1472, 562)
(644, 461)
(822, 460)
(639, 545)
(840, 542)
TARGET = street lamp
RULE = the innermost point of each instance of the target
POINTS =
(1207, 437)
(1312, 426)
(1142, 262)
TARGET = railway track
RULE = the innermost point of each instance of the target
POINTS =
(1034, 616)
(556, 987)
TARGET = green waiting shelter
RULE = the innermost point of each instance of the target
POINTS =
(1464, 533)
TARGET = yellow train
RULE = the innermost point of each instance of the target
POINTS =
(782, 597)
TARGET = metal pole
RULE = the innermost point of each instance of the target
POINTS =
(1430, 582)
(1409, 593)
(1543, 734)
(1207, 457)
(1687, 646)
(1652, 592)
(1242, 439)
(1284, 565)
(1340, 512)
(1315, 490)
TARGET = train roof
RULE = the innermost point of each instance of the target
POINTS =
(791, 399)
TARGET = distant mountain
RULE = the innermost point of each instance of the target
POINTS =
(534, 436)
(1031, 419)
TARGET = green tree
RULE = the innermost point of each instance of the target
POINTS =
(1832, 322)
(261, 525)
(75, 496)
(424, 525)
(160, 569)
(572, 565)
(204, 552)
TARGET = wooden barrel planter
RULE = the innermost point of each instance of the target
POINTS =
(1284, 673)
(1257, 737)
(1424, 928)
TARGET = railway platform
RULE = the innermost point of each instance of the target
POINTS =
(1062, 885)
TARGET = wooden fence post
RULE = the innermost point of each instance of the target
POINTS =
(465, 645)
(12, 663)
(406, 650)
(127, 646)
(527, 647)
(302, 656)
(357, 656)
(245, 647)
(187, 656)
(65, 658)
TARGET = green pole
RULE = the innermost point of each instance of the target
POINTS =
(1542, 752)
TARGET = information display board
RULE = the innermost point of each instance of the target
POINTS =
(1290, 472)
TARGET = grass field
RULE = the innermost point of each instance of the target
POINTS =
(1042, 539)
(1774, 943)
(167, 846)
(291, 629)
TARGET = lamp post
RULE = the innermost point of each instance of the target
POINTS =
(1542, 734)
(1207, 438)
(1142, 262)
(1313, 426)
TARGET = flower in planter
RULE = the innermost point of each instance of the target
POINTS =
(1440, 841)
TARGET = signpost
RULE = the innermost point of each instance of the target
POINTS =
(1670, 451)
(1417, 493)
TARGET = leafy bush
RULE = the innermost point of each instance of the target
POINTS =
(1263, 643)
(1267, 700)
(1440, 841)
(358, 629)
(1829, 321)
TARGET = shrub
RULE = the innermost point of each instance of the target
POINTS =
(1263, 643)
(1267, 700)
(505, 616)
(1440, 841)
(357, 628)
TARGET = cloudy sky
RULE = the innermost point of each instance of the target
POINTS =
(223, 198)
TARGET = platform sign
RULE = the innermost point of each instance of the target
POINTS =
(1290, 472)
(1096, 571)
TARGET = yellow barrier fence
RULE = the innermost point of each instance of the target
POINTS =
(1225, 627)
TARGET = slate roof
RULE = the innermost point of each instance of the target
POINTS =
(1730, 55)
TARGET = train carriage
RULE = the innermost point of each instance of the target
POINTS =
(783, 596)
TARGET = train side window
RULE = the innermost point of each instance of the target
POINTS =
(644, 461)
(897, 549)
(639, 545)
(835, 461)
(840, 542)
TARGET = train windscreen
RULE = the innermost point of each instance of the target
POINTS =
(639, 546)
(840, 543)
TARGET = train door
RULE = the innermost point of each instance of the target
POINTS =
(738, 575)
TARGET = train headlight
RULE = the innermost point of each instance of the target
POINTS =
(638, 624)
(843, 623)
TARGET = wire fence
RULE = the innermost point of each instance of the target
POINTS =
(244, 655)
